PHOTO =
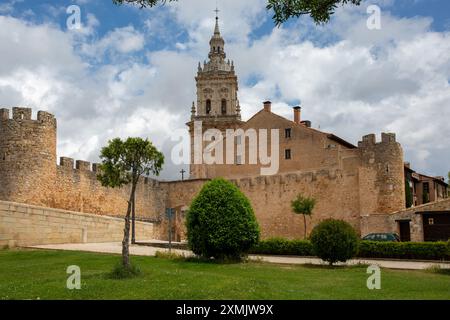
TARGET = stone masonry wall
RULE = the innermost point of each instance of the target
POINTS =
(336, 195)
(357, 182)
(29, 173)
(27, 155)
(25, 225)
(78, 189)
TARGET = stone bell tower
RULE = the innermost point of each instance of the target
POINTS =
(217, 101)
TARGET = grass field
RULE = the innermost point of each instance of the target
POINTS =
(33, 274)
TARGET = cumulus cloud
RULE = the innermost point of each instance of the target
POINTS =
(119, 41)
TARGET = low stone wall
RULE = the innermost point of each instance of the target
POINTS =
(25, 225)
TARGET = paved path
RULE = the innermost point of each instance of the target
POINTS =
(116, 248)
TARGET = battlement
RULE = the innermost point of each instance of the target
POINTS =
(300, 176)
(25, 114)
(370, 140)
(71, 164)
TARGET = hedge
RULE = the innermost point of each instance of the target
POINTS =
(279, 246)
(404, 250)
(367, 249)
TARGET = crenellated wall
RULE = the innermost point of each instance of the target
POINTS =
(78, 189)
(352, 183)
(29, 172)
(381, 174)
(271, 198)
(27, 155)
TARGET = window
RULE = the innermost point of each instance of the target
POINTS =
(287, 133)
(426, 193)
(224, 106)
(238, 160)
(287, 154)
(208, 106)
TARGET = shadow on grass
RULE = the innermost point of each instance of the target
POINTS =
(121, 273)
(438, 270)
(198, 259)
(333, 267)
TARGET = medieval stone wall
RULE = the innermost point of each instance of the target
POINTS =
(78, 189)
(336, 195)
(382, 180)
(27, 155)
(29, 173)
(26, 225)
(350, 183)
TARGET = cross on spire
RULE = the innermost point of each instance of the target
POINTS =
(217, 12)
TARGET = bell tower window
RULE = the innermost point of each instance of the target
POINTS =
(208, 106)
(224, 106)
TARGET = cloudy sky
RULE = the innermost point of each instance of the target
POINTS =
(130, 72)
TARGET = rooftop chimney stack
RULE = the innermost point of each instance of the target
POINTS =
(297, 114)
(268, 106)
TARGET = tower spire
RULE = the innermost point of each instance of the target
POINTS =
(216, 29)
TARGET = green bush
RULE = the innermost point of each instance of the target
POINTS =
(404, 250)
(334, 241)
(221, 222)
(279, 246)
(448, 248)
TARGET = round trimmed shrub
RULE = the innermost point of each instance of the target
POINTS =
(221, 222)
(334, 241)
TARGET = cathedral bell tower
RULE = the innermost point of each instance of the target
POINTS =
(217, 84)
(217, 101)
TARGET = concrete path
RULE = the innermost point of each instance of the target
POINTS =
(116, 248)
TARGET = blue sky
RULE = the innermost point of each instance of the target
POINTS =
(131, 71)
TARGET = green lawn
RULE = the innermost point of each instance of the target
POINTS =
(30, 274)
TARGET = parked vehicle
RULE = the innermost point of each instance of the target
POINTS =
(382, 237)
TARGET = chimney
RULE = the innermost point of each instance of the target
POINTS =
(268, 106)
(306, 123)
(297, 114)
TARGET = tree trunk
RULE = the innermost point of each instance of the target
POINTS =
(133, 220)
(304, 223)
(126, 231)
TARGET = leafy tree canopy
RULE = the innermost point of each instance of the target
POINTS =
(303, 205)
(125, 161)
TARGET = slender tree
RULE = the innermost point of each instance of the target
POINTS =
(319, 10)
(304, 206)
(124, 163)
(409, 194)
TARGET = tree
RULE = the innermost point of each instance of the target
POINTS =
(304, 206)
(221, 222)
(334, 240)
(123, 163)
(319, 10)
(409, 194)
